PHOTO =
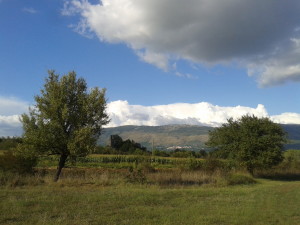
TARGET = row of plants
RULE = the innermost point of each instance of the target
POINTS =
(114, 159)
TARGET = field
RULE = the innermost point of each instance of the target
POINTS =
(268, 202)
(143, 190)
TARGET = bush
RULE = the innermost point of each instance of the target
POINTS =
(291, 160)
(239, 179)
(136, 176)
(182, 153)
(211, 165)
(15, 162)
(157, 152)
(18, 180)
(146, 167)
(7, 143)
(192, 164)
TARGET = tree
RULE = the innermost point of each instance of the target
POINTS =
(66, 120)
(253, 142)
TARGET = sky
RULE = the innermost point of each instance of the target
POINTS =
(195, 62)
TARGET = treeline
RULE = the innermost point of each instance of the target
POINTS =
(7, 143)
(179, 153)
(129, 150)
(130, 147)
(127, 147)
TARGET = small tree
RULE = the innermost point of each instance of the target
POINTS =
(251, 141)
(67, 119)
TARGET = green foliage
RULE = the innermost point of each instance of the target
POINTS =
(146, 167)
(209, 165)
(251, 141)
(127, 146)
(239, 179)
(161, 153)
(67, 118)
(106, 150)
(7, 143)
(182, 153)
(192, 164)
(136, 176)
(291, 159)
(16, 161)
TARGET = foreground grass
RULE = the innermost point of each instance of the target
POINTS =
(269, 202)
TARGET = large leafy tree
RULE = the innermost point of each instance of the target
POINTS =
(66, 120)
(252, 142)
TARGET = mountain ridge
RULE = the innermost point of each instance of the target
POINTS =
(177, 135)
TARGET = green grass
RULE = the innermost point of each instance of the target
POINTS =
(110, 193)
(116, 161)
(267, 203)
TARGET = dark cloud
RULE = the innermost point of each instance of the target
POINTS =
(251, 33)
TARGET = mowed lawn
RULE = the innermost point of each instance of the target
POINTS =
(268, 202)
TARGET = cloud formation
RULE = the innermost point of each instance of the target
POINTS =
(263, 36)
(10, 126)
(10, 110)
(287, 118)
(12, 106)
(202, 113)
(29, 10)
(122, 113)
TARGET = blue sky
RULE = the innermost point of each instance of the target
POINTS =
(153, 55)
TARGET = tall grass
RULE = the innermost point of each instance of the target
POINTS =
(270, 202)
(143, 175)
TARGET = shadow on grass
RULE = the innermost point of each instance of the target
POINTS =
(280, 177)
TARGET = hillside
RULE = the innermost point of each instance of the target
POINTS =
(172, 136)
(161, 136)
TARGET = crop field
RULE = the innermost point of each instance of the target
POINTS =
(117, 161)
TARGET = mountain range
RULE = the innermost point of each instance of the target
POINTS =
(170, 137)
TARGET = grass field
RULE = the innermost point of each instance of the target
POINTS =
(268, 202)
(143, 190)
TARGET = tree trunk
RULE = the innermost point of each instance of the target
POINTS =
(61, 165)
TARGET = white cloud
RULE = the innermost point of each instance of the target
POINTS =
(122, 113)
(287, 118)
(10, 126)
(159, 60)
(10, 110)
(259, 35)
(12, 106)
(282, 66)
(30, 10)
(202, 113)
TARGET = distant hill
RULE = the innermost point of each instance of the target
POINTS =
(176, 136)
(293, 131)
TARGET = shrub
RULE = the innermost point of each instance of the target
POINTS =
(157, 152)
(146, 167)
(16, 162)
(17, 180)
(136, 176)
(211, 165)
(193, 164)
(239, 179)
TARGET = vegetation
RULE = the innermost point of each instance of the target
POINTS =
(127, 146)
(161, 136)
(125, 184)
(252, 142)
(67, 119)
(106, 197)
(194, 137)
(17, 162)
(7, 143)
(151, 190)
